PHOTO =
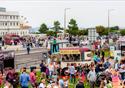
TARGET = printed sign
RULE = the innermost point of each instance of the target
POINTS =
(87, 55)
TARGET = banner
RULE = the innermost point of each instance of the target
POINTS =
(69, 52)
(117, 55)
(112, 48)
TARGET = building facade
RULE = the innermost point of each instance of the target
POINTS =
(10, 23)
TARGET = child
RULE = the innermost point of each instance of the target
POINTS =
(109, 84)
(43, 84)
(115, 80)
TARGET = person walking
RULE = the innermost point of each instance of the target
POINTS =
(24, 79)
(28, 48)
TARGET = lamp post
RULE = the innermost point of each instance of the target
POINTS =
(65, 10)
(109, 11)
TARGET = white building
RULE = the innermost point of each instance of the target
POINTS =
(10, 23)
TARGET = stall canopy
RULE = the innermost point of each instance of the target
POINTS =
(7, 59)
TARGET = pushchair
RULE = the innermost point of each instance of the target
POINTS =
(100, 77)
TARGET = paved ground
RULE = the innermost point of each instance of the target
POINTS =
(33, 59)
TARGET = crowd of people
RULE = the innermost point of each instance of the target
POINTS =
(100, 74)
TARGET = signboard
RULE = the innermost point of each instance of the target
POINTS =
(112, 48)
(69, 52)
(87, 55)
(123, 50)
(117, 55)
(112, 53)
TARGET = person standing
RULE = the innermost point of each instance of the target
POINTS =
(54, 45)
(33, 78)
(103, 56)
(24, 79)
(42, 66)
(107, 64)
(51, 69)
(72, 72)
(92, 77)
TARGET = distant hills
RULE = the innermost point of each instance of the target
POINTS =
(32, 30)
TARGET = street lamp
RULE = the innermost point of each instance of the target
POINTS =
(109, 11)
(65, 10)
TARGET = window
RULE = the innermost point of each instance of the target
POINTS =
(5, 23)
(16, 17)
(17, 24)
(10, 17)
(13, 17)
(5, 17)
(13, 23)
(10, 23)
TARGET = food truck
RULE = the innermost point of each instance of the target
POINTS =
(74, 55)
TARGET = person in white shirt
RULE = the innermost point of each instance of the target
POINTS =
(92, 77)
(51, 69)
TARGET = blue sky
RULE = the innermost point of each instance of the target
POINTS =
(88, 13)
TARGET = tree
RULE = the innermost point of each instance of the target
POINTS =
(122, 32)
(73, 28)
(56, 27)
(115, 28)
(50, 33)
(82, 32)
(72, 25)
(100, 29)
(43, 28)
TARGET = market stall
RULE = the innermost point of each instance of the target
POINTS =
(74, 54)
